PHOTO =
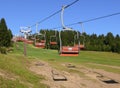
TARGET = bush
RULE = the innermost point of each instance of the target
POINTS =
(10, 49)
(3, 50)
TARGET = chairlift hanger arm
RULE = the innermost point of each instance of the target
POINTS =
(62, 21)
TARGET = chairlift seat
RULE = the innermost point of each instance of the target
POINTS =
(42, 41)
(29, 42)
(70, 50)
(53, 43)
(40, 45)
(81, 46)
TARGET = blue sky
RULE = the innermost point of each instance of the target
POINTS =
(19, 13)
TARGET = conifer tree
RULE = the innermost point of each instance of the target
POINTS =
(5, 34)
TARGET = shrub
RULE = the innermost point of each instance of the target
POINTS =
(3, 50)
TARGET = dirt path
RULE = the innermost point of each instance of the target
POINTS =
(116, 67)
(45, 70)
(92, 78)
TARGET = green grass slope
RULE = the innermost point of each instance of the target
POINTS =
(84, 58)
(107, 58)
(14, 72)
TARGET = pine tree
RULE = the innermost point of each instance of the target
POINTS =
(5, 34)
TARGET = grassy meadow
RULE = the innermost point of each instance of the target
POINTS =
(14, 72)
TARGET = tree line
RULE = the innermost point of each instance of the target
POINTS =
(103, 42)
(93, 42)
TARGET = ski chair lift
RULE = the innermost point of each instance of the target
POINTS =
(53, 39)
(30, 40)
(66, 50)
(27, 35)
(76, 38)
(40, 43)
(82, 45)
(43, 38)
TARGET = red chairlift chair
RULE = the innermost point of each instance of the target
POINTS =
(53, 39)
(66, 50)
(42, 42)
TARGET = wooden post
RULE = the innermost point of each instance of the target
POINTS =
(25, 49)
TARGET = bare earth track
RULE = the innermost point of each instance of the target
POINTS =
(92, 78)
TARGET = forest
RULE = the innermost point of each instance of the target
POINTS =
(93, 42)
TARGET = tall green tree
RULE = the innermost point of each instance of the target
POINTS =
(5, 34)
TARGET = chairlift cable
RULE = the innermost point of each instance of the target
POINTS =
(93, 19)
(100, 17)
(55, 13)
